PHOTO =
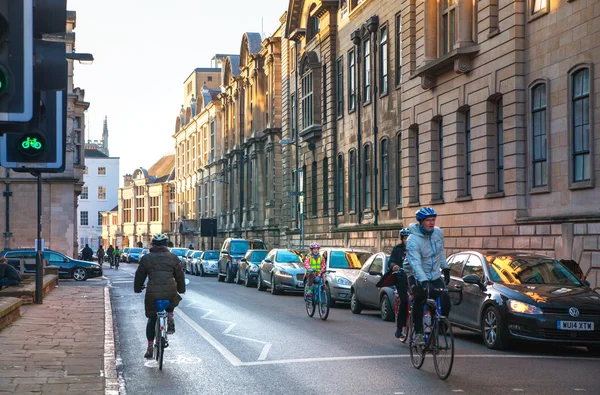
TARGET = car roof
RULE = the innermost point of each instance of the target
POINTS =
(346, 249)
(503, 253)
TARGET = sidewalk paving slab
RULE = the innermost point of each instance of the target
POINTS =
(63, 346)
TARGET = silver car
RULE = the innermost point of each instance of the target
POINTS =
(208, 262)
(282, 270)
(366, 294)
(345, 264)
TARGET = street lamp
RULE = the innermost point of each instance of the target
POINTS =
(298, 189)
(84, 58)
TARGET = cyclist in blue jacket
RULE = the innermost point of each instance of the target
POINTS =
(425, 256)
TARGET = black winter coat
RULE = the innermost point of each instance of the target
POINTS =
(165, 278)
(397, 257)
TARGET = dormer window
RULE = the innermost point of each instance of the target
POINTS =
(313, 26)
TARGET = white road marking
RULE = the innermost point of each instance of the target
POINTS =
(398, 393)
(518, 390)
(122, 282)
(265, 351)
(580, 389)
(229, 328)
(458, 391)
(228, 355)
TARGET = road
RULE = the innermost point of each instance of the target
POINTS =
(235, 340)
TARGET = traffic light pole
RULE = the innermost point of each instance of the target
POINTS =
(39, 257)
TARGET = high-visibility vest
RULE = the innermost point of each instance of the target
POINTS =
(315, 264)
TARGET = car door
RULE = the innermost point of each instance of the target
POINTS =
(267, 267)
(456, 263)
(360, 284)
(55, 259)
(223, 257)
(473, 295)
(372, 278)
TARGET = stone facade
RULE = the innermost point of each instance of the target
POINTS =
(145, 205)
(59, 191)
(490, 119)
(111, 227)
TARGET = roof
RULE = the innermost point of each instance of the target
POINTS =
(162, 168)
(94, 153)
(116, 208)
(235, 65)
(254, 43)
(203, 70)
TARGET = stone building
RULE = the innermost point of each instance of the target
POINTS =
(483, 110)
(250, 165)
(59, 191)
(110, 227)
(100, 145)
(145, 205)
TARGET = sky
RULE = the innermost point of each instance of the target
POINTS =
(143, 51)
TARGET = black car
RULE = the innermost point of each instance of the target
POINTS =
(232, 251)
(247, 272)
(67, 267)
(523, 296)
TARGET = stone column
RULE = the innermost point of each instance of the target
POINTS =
(431, 30)
(465, 23)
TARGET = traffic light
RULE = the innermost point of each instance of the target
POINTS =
(16, 60)
(39, 145)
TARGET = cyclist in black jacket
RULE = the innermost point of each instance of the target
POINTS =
(395, 265)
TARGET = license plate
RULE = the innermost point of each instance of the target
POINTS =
(575, 325)
(300, 283)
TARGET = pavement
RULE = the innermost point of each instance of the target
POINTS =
(63, 346)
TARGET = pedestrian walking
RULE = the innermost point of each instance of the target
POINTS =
(100, 254)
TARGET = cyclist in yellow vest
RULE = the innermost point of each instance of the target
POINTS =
(315, 265)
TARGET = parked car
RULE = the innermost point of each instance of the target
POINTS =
(523, 296)
(232, 251)
(248, 267)
(144, 252)
(191, 257)
(186, 260)
(125, 254)
(345, 265)
(180, 252)
(366, 294)
(134, 255)
(67, 267)
(208, 262)
(281, 270)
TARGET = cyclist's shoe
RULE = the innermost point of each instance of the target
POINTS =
(149, 352)
(308, 294)
(399, 334)
(170, 325)
(419, 339)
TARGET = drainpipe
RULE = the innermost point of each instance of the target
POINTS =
(357, 40)
(296, 138)
(373, 25)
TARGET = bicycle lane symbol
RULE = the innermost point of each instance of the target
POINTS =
(179, 360)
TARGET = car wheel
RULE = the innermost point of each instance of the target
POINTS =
(237, 277)
(355, 305)
(220, 277)
(274, 290)
(260, 286)
(80, 274)
(201, 270)
(492, 329)
(247, 280)
(228, 274)
(329, 298)
(387, 312)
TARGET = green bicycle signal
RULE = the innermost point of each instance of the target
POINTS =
(32, 144)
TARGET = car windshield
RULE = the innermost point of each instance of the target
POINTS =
(286, 257)
(135, 250)
(239, 247)
(197, 254)
(179, 251)
(211, 255)
(529, 270)
(347, 259)
(257, 245)
(258, 256)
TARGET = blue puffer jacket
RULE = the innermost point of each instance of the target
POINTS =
(425, 254)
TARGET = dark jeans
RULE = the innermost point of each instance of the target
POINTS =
(5, 282)
(419, 298)
(151, 325)
(401, 287)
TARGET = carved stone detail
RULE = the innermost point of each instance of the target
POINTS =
(428, 81)
(462, 64)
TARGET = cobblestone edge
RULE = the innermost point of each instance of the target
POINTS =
(111, 376)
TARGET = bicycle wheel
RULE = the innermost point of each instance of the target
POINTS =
(157, 339)
(443, 347)
(323, 304)
(310, 305)
(417, 353)
(162, 351)
(406, 329)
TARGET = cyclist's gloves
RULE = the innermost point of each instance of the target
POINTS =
(446, 273)
(425, 286)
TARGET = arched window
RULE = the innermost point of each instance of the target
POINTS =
(441, 159)
(399, 169)
(314, 189)
(367, 176)
(340, 183)
(580, 119)
(385, 173)
(499, 146)
(468, 153)
(326, 186)
(538, 144)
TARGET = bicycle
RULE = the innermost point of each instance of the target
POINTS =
(161, 340)
(319, 297)
(439, 338)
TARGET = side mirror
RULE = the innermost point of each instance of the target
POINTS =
(586, 282)
(65, 259)
(225, 252)
(472, 279)
(374, 273)
(243, 260)
(268, 260)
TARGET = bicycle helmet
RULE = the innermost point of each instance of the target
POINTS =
(425, 212)
(160, 240)
(404, 232)
(315, 245)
